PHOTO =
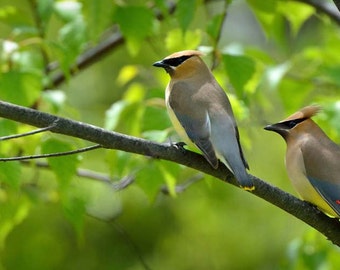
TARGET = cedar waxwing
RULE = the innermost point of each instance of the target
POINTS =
(200, 111)
(312, 160)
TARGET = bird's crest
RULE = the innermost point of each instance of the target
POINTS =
(304, 113)
(184, 53)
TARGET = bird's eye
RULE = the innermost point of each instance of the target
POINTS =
(292, 123)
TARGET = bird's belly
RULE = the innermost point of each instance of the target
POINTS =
(178, 127)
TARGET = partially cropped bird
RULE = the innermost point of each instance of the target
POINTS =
(201, 112)
(312, 160)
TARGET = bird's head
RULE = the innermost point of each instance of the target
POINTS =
(295, 122)
(181, 64)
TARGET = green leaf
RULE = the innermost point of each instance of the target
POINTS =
(45, 9)
(55, 98)
(103, 201)
(64, 167)
(176, 40)
(265, 12)
(268, 6)
(150, 179)
(214, 26)
(296, 13)
(7, 127)
(289, 88)
(10, 174)
(156, 135)
(74, 206)
(126, 74)
(68, 10)
(240, 69)
(98, 16)
(22, 88)
(162, 5)
(14, 209)
(185, 12)
(136, 23)
(113, 114)
(72, 38)
(170, 172)
(155, 118)
(274, 74)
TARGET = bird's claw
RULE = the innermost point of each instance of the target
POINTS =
(179, 145)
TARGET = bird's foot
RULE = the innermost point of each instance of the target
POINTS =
(178, 145)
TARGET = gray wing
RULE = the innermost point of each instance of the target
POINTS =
(194, 119)
(330, 192)
(322, 163)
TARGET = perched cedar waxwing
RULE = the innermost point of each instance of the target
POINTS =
(200, 111)
(312, 160)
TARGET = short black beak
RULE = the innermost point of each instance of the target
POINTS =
(270, 127)
(278, 128)
(159, 64)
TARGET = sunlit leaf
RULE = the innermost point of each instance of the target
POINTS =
(170, 172)
(150, 179)
(55, 98)
(7, 127)
(185, 11)
(274, 75)
(155, 119)
(64, 167)
(296, 13)
(293, 93)
(68, 10)
(22, 88)
(72, 38)
(126, 74)
(98, 16)
(10, 174)
(74, 206)
(265, 12)
(103, 201)
(45, 9)
(113, 114)
(136, 23)
(176, 40)
(156, 135)
(214, 25)
(240, 69)
(12, 212)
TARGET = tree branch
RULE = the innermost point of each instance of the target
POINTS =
(90, 57)
(113, 140)
(92, 175)
(96, 53)
(337, 3)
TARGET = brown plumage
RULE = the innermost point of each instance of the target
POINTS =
(312, 160)
(201, 112)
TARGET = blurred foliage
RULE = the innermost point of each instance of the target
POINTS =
(272, 57)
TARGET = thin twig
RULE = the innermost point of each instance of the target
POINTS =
(92, 56)
(40, 26)
(59, 154)
(92, 175)
(218, 37)
(182, 187)
(15, 136)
